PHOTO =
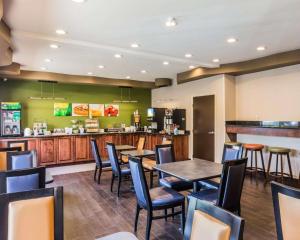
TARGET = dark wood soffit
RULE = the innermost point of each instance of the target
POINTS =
(5, 33)
(12, 69)
(239, 68)
(75, 79)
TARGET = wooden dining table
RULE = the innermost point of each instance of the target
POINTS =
(138, 153)
(192, 170)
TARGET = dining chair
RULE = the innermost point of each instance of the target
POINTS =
(207, 221)
(22, 180)
(23, 144)
(165, 154)
(3, 156)
(228, 195)
(99, 163)
(119, 171)
(21, 160)
(230, 152)
(160, 198)
(34, 215)
(140, 146)
(286, 203)
(149, 162)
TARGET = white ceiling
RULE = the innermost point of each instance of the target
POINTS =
(97, 29)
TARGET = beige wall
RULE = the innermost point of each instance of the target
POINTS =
(181, 96)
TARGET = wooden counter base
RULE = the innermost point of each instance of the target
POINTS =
(58, 150)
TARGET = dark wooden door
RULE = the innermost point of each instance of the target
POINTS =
(204, 127)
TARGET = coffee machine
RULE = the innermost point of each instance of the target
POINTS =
(136, 120)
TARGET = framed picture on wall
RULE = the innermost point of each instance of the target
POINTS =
(80, 109)
(62, 109)
(96, 110)
(111, 110)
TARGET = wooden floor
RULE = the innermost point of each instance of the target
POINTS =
(91, 210)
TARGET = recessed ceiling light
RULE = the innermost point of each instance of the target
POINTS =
(101, 66)
(54, 46)
(191, 67)
(231, 40)
(216, 60)
(135, 45)
(171, 22)
(43, 68)
(261, 48)
(128, 77)
(48, 60)
(60, 32)
(90, 73)
(166, 63)
(188, 55)
(118, 55)
(79, 1)
(143, 71)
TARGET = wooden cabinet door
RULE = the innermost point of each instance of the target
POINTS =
(47, 151)
(65, 150)
(82, 148)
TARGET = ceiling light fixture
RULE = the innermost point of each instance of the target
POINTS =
(47, 60)
(43, 68)
(79, 1)
(118, 55)
(231, 40)
(42, 93)
(101, 66)
(191, 67)
(135, 45)
(188, 55)
(90, 73)
(54, 46)
(143, 71)
(171, 22)
(216, 60)
(128, 77)
(261, 48)
(128, 100)
(60, 32)
(166, 63)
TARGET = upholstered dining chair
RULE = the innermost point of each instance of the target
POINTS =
(119, 171)
(21, 160)
(99, 163)
(3, 156)
(33, 215)
(160, 198)
(286, 202)
(209, 222)
(22, 180)
(140, 146)
(165, 154)
(228, 195)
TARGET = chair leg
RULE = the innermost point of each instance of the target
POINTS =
(276, 173)
(138, 209)
(289, 163)
(281, 164)
(263, 163)
(255, 164)
(151, 178)
(173, 211)
(99, 175)
(239, 210)
(95, 173)
(149, 223)
(166, 213)
(112, 182)
(182, 217)
(269, 166)
(119, 185)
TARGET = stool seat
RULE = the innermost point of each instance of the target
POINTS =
(253, 146)
(279, 150)
(233, 143)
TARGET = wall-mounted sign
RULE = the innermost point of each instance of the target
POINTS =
(111, 110)
(96, 110)
(80, 109)
(62, 109)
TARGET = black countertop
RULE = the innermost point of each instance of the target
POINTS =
(266, 124)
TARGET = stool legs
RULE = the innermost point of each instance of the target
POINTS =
(280, 174)
(289, 164)
(253, 162)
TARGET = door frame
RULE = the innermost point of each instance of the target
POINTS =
(192, 124)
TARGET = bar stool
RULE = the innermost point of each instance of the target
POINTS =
(254, 148)
(279, 151)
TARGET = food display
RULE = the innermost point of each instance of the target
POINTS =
(111, 110)
(80, 109)
(92, 125)
(96, 110)
(62, 109)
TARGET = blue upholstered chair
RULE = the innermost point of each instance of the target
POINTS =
(99, 163)
(165, 154)
(286, 202)
(228, 195)
(22, 180)
(21, 160)
(118, 171)
(209, 222)
(160, 198)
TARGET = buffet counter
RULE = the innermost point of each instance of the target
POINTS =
(68, 149)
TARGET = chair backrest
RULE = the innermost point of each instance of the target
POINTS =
(286, 202)
(3, 156)
(113, 158)
(140, 183)
(232, 152)
(21, 160)
(22, 180)
(95, 152)
(231, 185)
(166, 141)
(207, 221)
(164, 154)
(141, 143)
(33, 215)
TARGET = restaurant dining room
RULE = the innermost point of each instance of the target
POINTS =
(149, 120)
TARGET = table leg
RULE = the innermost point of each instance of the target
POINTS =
(195, 186)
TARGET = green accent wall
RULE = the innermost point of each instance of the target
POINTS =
(42, 110)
